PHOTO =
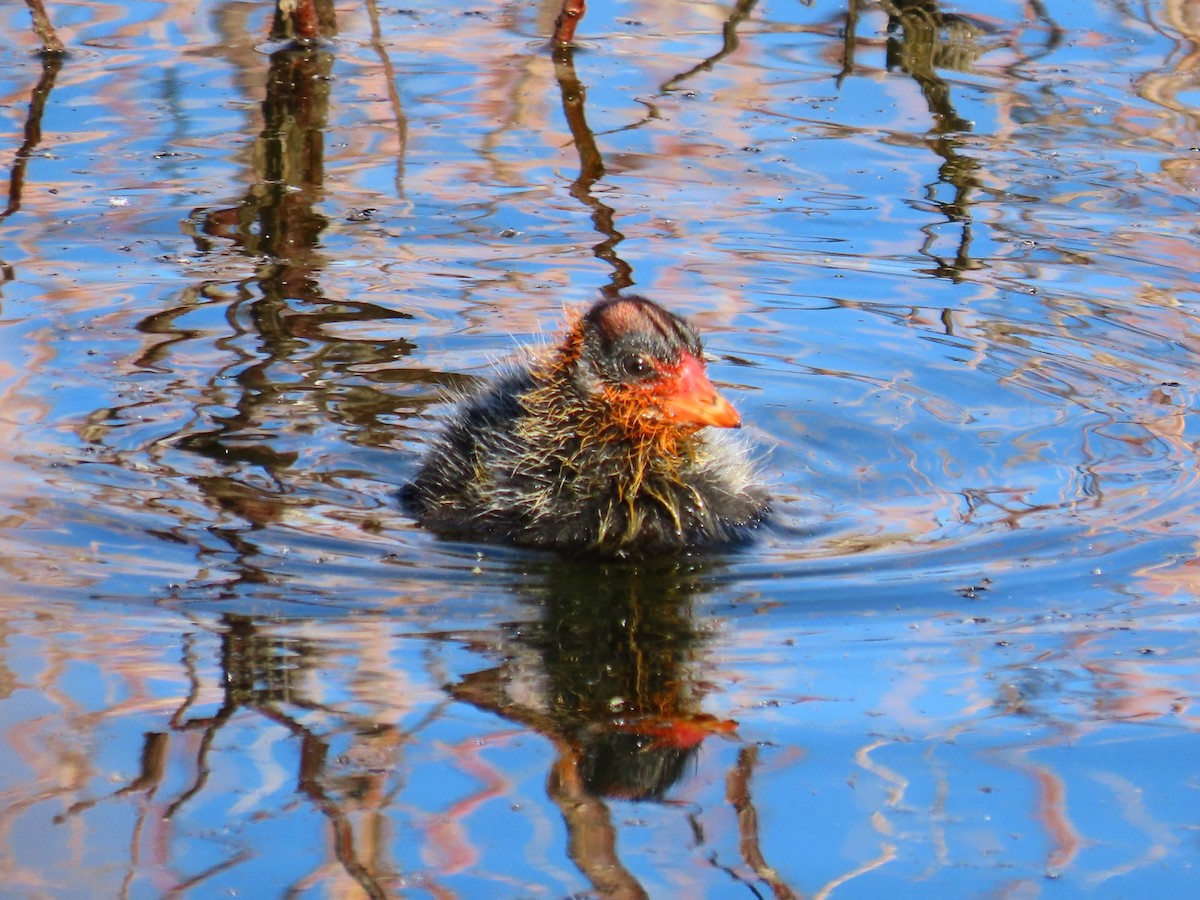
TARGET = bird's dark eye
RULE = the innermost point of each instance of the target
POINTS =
(636, 366)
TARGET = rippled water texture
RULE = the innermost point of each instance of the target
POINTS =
(944, 259)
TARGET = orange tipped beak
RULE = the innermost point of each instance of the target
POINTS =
(689, 398)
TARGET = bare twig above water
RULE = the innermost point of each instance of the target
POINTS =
(568, 20)
(304, 20)
(44, 28)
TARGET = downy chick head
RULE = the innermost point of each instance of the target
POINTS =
(646, 366)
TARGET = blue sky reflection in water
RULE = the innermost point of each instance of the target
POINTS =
(944, 260)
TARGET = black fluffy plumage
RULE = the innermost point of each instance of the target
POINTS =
(604, 446)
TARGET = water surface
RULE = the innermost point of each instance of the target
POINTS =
(943, 258)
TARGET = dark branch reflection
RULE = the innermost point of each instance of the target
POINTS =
(270, 677)
(729, 44)
(611, 669)
(591, 169)
(281, 317)
(51, 65)
(276, 222)
(923, 41)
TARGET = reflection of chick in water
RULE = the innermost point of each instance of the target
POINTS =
(610, 674)
(611, 670)
(596, 447)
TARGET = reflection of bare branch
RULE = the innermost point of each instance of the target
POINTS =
(930, 40)
(591, 167)
(1055, 34)
(44, 28)
(278, 219)
(887, 850)
(193, 679)
(737, 792)
(258, 676)
(922, 39)
(592, 839)
(729, 44)
(313, 753)
(33, 132)
(849, 41)
(153, 767)
(887, 853)
(211, 727)
(389, 73)
(1055, 817)
(199, 878)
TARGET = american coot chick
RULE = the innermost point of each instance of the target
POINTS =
(597, 447)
